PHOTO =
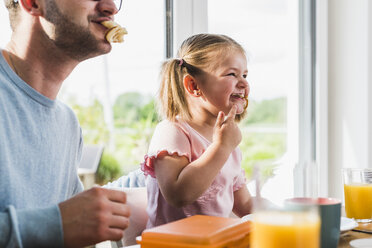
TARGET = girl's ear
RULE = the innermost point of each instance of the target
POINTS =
(33, 7)
(191, 86)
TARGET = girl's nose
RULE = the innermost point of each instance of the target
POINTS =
(107, 7)
(243, 83)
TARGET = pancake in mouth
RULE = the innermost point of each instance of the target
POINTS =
(115, 32)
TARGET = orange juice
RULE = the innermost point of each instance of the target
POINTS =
(358, 201)
(285, 230)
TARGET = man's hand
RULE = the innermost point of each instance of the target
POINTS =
(93, 216)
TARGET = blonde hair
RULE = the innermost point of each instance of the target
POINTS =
(197, 53)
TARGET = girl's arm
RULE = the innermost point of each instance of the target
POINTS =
(181, 182)
(242, 202)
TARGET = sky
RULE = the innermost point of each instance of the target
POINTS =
(264, 28)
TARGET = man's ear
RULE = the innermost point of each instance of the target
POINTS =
(191, 86)
(33, 7)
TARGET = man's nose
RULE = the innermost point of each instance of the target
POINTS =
(107, 7)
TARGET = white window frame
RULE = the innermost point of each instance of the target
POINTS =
(349, 79)
(322, 96)
(190, 17)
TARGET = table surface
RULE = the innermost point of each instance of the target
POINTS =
(351, 235)
(343, 243)
(344, 239)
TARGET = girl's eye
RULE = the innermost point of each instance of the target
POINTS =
(244, 75)
(231, 74)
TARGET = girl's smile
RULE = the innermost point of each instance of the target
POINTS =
(239, 99)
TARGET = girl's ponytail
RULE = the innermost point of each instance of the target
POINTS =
(172, 93)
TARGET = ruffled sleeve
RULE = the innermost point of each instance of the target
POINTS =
(169, 138)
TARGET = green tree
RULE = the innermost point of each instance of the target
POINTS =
(271, 111)
(126, 108)
(133, 134)
(92, 121)
(148, 112)
(108, 170)
(261, 149)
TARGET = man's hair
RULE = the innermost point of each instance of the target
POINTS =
(13, 7)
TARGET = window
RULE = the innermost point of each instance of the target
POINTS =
(130, 66)
(113, 94)
(268, 30)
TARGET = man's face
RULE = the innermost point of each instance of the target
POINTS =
(74, 26)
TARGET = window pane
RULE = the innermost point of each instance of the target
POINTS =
(132, 65)
(267, 29)
(112, 94)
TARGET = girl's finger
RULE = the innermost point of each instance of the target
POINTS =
(232, 113)
(220, 119)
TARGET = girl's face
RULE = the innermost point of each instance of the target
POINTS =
(225, 85)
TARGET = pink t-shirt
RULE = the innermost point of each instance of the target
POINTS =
(180, 138)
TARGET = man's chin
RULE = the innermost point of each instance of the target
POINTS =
(107, 49)
(103, 48)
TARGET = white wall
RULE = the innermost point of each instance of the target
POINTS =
(349, 88)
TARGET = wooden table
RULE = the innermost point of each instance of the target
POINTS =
(351, 235)
(344, 239)
(343, 243)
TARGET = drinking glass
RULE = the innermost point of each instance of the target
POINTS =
(358, 194)
(285, 227)
(330, 217)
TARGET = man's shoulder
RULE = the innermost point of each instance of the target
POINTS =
(67, 111)
(5, 85)
(64, 107)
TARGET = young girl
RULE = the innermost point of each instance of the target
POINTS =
(193, 159)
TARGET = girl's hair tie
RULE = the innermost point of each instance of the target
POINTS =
(180, 62)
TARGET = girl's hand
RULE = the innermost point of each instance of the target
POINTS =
(226, 132)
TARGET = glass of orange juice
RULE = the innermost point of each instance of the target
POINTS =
(286, 227)
(358, 194)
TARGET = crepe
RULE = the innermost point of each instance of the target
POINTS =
(115, 32)
(246, 102)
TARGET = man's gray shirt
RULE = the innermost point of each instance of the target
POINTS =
(40, 148)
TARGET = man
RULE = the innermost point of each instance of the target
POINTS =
(41, 203)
